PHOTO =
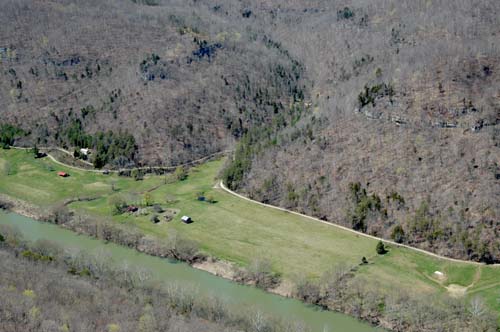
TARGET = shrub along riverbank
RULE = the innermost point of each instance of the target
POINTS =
(45, 288)
(304, 253)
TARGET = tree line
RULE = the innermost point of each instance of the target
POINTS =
(117, 149)
(9, 134)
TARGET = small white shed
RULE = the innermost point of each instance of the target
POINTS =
(186, 219)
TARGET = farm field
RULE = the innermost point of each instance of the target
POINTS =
(238, 231)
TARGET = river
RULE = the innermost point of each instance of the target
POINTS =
(182, 274)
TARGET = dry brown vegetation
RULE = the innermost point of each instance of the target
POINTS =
(186, 83)
(405, 102)
(46, 289)
(400, 97)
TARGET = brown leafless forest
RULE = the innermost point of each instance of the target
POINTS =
(400, 136)
(47, 289)
(379, 115)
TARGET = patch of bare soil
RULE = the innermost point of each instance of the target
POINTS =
(285, 288)
(456, 290)
(226, 270)
(216, 267)
(23, 208)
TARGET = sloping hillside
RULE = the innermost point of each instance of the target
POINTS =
(185, 83)
(380, 115)
(402, 135)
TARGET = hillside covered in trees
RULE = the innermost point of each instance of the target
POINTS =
(155, 83)
(46, 288)
(401, 136)
(383, 116)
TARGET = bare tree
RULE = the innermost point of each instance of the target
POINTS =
(477, 307)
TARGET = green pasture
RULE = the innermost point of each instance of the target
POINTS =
(238, 231)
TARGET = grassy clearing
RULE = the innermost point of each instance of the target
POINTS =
(36, 181)
(238, 231)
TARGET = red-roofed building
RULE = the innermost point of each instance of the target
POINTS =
(63, 174)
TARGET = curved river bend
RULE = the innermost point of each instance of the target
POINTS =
(182, 274)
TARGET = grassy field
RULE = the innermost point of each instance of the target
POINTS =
(237, 230)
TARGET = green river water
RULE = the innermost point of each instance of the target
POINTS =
(182, 274)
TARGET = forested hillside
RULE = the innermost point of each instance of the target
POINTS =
(44, 298)
(379, 115)
(401, 138)
(45, 288)
(139, 82)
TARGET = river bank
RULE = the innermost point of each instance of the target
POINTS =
(249, 299)
(147, 245)
(212, 265)
(313, 255)
(219, 269)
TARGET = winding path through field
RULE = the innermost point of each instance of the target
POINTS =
(221, 185)
(51, 157)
